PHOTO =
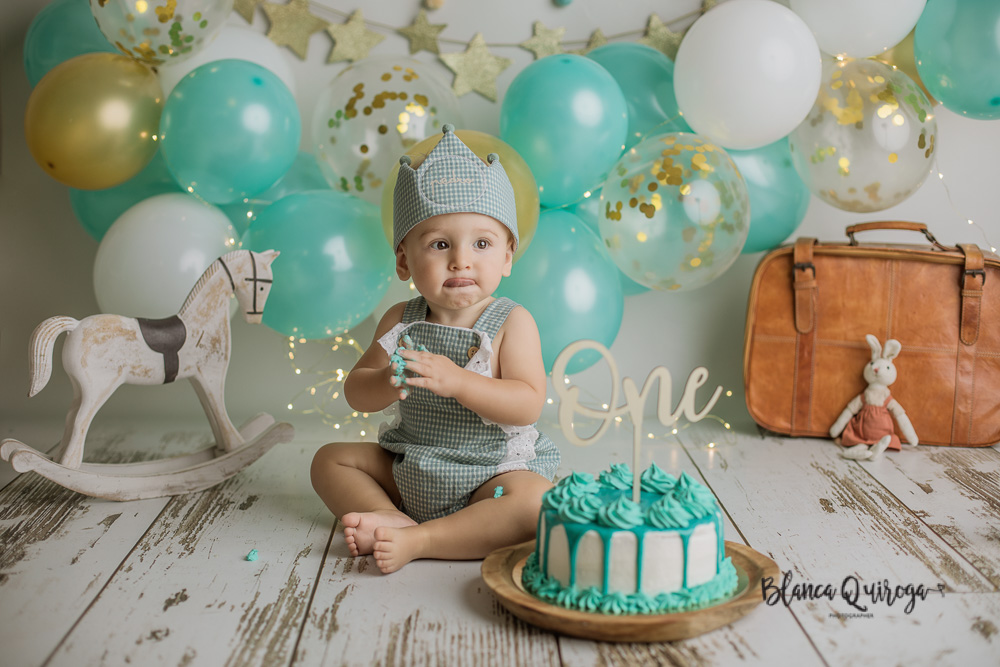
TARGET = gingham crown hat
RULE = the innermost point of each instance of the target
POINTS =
(452, 179)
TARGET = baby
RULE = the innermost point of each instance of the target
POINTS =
(462, 470)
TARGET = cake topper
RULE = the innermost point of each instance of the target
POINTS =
(635, 401)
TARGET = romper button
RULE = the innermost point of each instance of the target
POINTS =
(472, 351)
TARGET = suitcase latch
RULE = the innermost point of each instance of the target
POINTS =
(802, 266)
(968, 272)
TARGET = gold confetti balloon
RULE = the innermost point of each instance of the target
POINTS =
(674, 212)
(156, 32)
(901, 57)
(373, 112)
(482, 144)
(91, 122)
(868, 142)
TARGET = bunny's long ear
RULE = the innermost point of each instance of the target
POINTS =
(875, 346)
(892, 348)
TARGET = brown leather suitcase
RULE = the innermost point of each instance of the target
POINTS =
(812, 303)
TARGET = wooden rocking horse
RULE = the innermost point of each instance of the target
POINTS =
(103, 352)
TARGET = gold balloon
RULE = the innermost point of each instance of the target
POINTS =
(482, 144)
(91, 122)
(901, 57)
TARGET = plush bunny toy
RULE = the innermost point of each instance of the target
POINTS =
(865, 425)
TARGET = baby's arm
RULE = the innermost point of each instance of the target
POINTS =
(368, 387)
(515, 398)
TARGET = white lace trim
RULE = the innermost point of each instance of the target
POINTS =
(480, 361)
(520, 446)
(390, 341)
(395, 417)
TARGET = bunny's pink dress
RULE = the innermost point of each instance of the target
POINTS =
(869, 425)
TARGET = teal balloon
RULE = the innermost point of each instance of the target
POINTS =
(229, 130)
(568, 283)
(589, 210)
(646, 78)
(567, 117)
(303, 175)
(63, 29)
(957, 51)
(98, 209)
(334, 265)
(778, 197)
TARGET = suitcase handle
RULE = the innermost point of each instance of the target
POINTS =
(893, 224)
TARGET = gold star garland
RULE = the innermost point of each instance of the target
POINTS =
(661, 38)
(292, 25)
(352, 40)
(423, 36)
(476, 69)
(544, 42)
(245, 8)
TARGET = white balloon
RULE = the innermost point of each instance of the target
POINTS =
(747, 73)
(154, 253)
(859, 28)
(232, 43)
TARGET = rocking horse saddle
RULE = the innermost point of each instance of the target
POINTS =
(165, 336)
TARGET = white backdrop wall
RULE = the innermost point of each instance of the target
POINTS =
(47, 257)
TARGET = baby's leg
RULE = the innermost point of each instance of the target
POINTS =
(487, 523)
(355, 481)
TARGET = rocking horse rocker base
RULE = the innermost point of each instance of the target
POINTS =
(154, 479)
(102, 352)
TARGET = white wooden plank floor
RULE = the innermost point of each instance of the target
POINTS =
(164, 581)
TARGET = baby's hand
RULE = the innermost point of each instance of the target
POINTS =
(434, 372)
(398, 365)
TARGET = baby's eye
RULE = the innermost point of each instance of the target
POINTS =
(439, 245)
(482, 244)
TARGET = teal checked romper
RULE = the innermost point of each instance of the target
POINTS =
(444, 451)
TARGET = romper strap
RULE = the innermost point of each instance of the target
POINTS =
(415, 310)
(494, 316)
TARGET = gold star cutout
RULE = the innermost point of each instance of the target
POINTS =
(423, 36)
(545, 42)
(292, 24)
(245, 8)
(596, 40)
(352, 40)
(476, 70)
(661, 38)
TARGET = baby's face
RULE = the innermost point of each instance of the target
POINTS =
(456, 260)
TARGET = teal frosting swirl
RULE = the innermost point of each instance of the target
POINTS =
(615, 604)
(619, 477)
(580, 510)
(667, 512)
(554, 498)
(591, 600)
(579, 484)
(621, 513)
(695, 497)
(654, 480)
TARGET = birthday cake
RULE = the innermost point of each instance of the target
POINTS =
(598, 551)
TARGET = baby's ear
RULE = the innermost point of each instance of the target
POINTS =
(402, 268)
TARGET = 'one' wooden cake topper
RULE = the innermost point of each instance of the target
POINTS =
(635, 401)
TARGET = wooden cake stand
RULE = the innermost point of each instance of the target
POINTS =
(502, 573)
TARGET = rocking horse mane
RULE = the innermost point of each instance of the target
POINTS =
(207, 276)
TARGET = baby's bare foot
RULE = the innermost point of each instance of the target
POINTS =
(359, 528)
(395, 547)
